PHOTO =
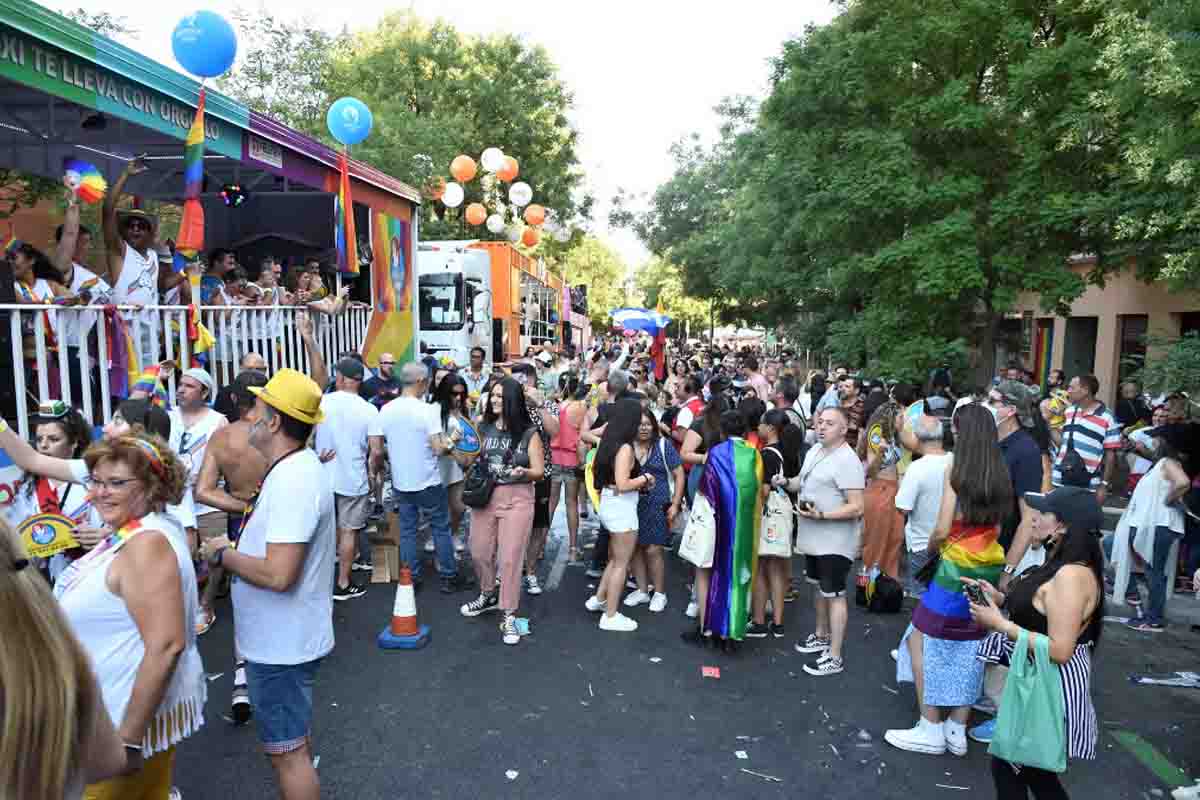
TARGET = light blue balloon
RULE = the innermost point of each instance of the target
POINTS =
(349, 120)
(204, 44)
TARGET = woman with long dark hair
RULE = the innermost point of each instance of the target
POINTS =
(619, 478)
(500, 530)
(938, 650)
(451, 397)
(657, 510)
(1062, 600)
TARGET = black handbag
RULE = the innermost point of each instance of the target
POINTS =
(480, 480)
(1073, 469)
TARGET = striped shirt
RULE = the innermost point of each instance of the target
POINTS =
(1090, 435)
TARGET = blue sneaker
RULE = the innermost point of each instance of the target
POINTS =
(983, 732)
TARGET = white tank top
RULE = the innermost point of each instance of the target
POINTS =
(111, 639)
(139, 278)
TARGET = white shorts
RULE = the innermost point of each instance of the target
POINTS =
(618, 510)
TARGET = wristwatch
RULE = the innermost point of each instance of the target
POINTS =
(1010, 569)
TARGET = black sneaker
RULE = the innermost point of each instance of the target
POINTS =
(348, 592)
(456, 583)
(825, 665)
(776, 630)
(482, 604)
(757, 630)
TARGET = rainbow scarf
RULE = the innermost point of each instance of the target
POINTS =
(969, 552)
(731, 483)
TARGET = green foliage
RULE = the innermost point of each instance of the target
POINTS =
(600, 267)
(21, 190)
(102, 22)
(662, 282)
(1172, 364)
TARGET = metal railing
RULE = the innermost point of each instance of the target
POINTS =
(158, 333)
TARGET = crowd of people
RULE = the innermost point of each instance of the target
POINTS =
(984, 508)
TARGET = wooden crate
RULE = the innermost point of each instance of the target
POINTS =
(385, 551)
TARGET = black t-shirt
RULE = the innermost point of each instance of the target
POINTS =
(1024, 460)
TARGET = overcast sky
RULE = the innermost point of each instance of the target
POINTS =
(644, 72)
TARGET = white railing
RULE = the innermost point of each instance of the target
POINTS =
(269, 331)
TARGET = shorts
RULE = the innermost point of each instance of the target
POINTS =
(619, 512)
(352, 512)
(282, 698)
(212, 524)
(565, 474)
(828, 573)
(541, 504)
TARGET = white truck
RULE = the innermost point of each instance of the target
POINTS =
(454, 301)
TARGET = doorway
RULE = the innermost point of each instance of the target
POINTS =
(1079, 346)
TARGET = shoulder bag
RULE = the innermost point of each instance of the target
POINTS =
(1031, 725)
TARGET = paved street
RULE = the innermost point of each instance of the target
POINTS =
(583, 714)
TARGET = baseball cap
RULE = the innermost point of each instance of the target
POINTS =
(1074, 505)
(1018, 396)
(350, 368)
(545, 358)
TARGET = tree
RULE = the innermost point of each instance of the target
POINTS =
(595, 264)
(662, 283)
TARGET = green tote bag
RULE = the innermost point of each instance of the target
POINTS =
(1031, 726)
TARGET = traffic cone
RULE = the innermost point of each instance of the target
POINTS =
(404, 633)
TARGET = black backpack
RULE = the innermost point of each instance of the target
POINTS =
(888, 597)
(1073, 468)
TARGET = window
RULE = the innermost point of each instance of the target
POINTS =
(1133, 344)
(441, 302)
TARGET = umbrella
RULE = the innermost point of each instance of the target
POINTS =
(640, 319)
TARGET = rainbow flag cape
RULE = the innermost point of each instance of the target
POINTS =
(969, 552)
(344, 235)
(731, 483)
(190, 240)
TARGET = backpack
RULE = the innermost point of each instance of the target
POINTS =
(885, 595)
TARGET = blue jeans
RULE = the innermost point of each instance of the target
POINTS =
(1156, 573)
(436, 500)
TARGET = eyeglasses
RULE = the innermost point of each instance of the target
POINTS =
(387, 363)
(116, 484)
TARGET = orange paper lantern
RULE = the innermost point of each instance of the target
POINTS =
(509, 172)
(530, 237)
(476, 214)
(462, 168)
(535, 214)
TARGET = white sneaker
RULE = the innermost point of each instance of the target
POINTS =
(531, 585)
(508, 630)
(459, 544)
(617, 622)
(636, 599)
(594, 604)
(658, 602)
(896, 656)
(924, 737)
(693, 610)
(956, 737)
(429, 545)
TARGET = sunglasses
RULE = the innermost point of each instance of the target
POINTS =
(136, 224)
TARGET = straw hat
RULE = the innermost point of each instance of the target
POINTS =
(293, 394)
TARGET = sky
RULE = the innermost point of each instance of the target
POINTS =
(644, 73)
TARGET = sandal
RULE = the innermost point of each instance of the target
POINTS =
(204, 621)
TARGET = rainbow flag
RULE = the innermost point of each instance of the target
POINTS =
(731, 483)
(344, 235)
(150, 384)
(969, 552)
(124, 370)
(391, 329)
(190, 240)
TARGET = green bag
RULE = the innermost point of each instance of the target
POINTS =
(1031, 725)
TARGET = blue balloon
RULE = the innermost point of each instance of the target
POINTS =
(204, 44)
(349, 120)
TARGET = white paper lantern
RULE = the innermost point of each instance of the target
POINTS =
(452, 197)
(562, 235)
(515, 232)
(492, 159)
(520, 194)
(495, 223)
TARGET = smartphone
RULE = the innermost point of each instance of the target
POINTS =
(805, 505)
(975, 594)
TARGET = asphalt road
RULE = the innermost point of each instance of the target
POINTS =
(579, 713)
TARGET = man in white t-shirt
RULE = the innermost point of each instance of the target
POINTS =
(920, 496)
(351, 432)
(413, 433)
(193, 423)
(283, 571)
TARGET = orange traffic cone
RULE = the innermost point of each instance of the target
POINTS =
(404, 633)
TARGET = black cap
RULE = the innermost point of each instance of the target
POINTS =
(350, 368)
(1074, 505)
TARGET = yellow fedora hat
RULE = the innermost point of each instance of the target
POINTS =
(294, 394)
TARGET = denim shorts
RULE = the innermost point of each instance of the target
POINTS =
(282, 698)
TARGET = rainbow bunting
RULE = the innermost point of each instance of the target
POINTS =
(731, 483)
(190, 240)
(344, 235)
(150, 384)
(969, 552)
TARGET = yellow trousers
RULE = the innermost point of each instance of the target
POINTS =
(151, 782)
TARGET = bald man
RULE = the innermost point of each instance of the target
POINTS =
(383, 387)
